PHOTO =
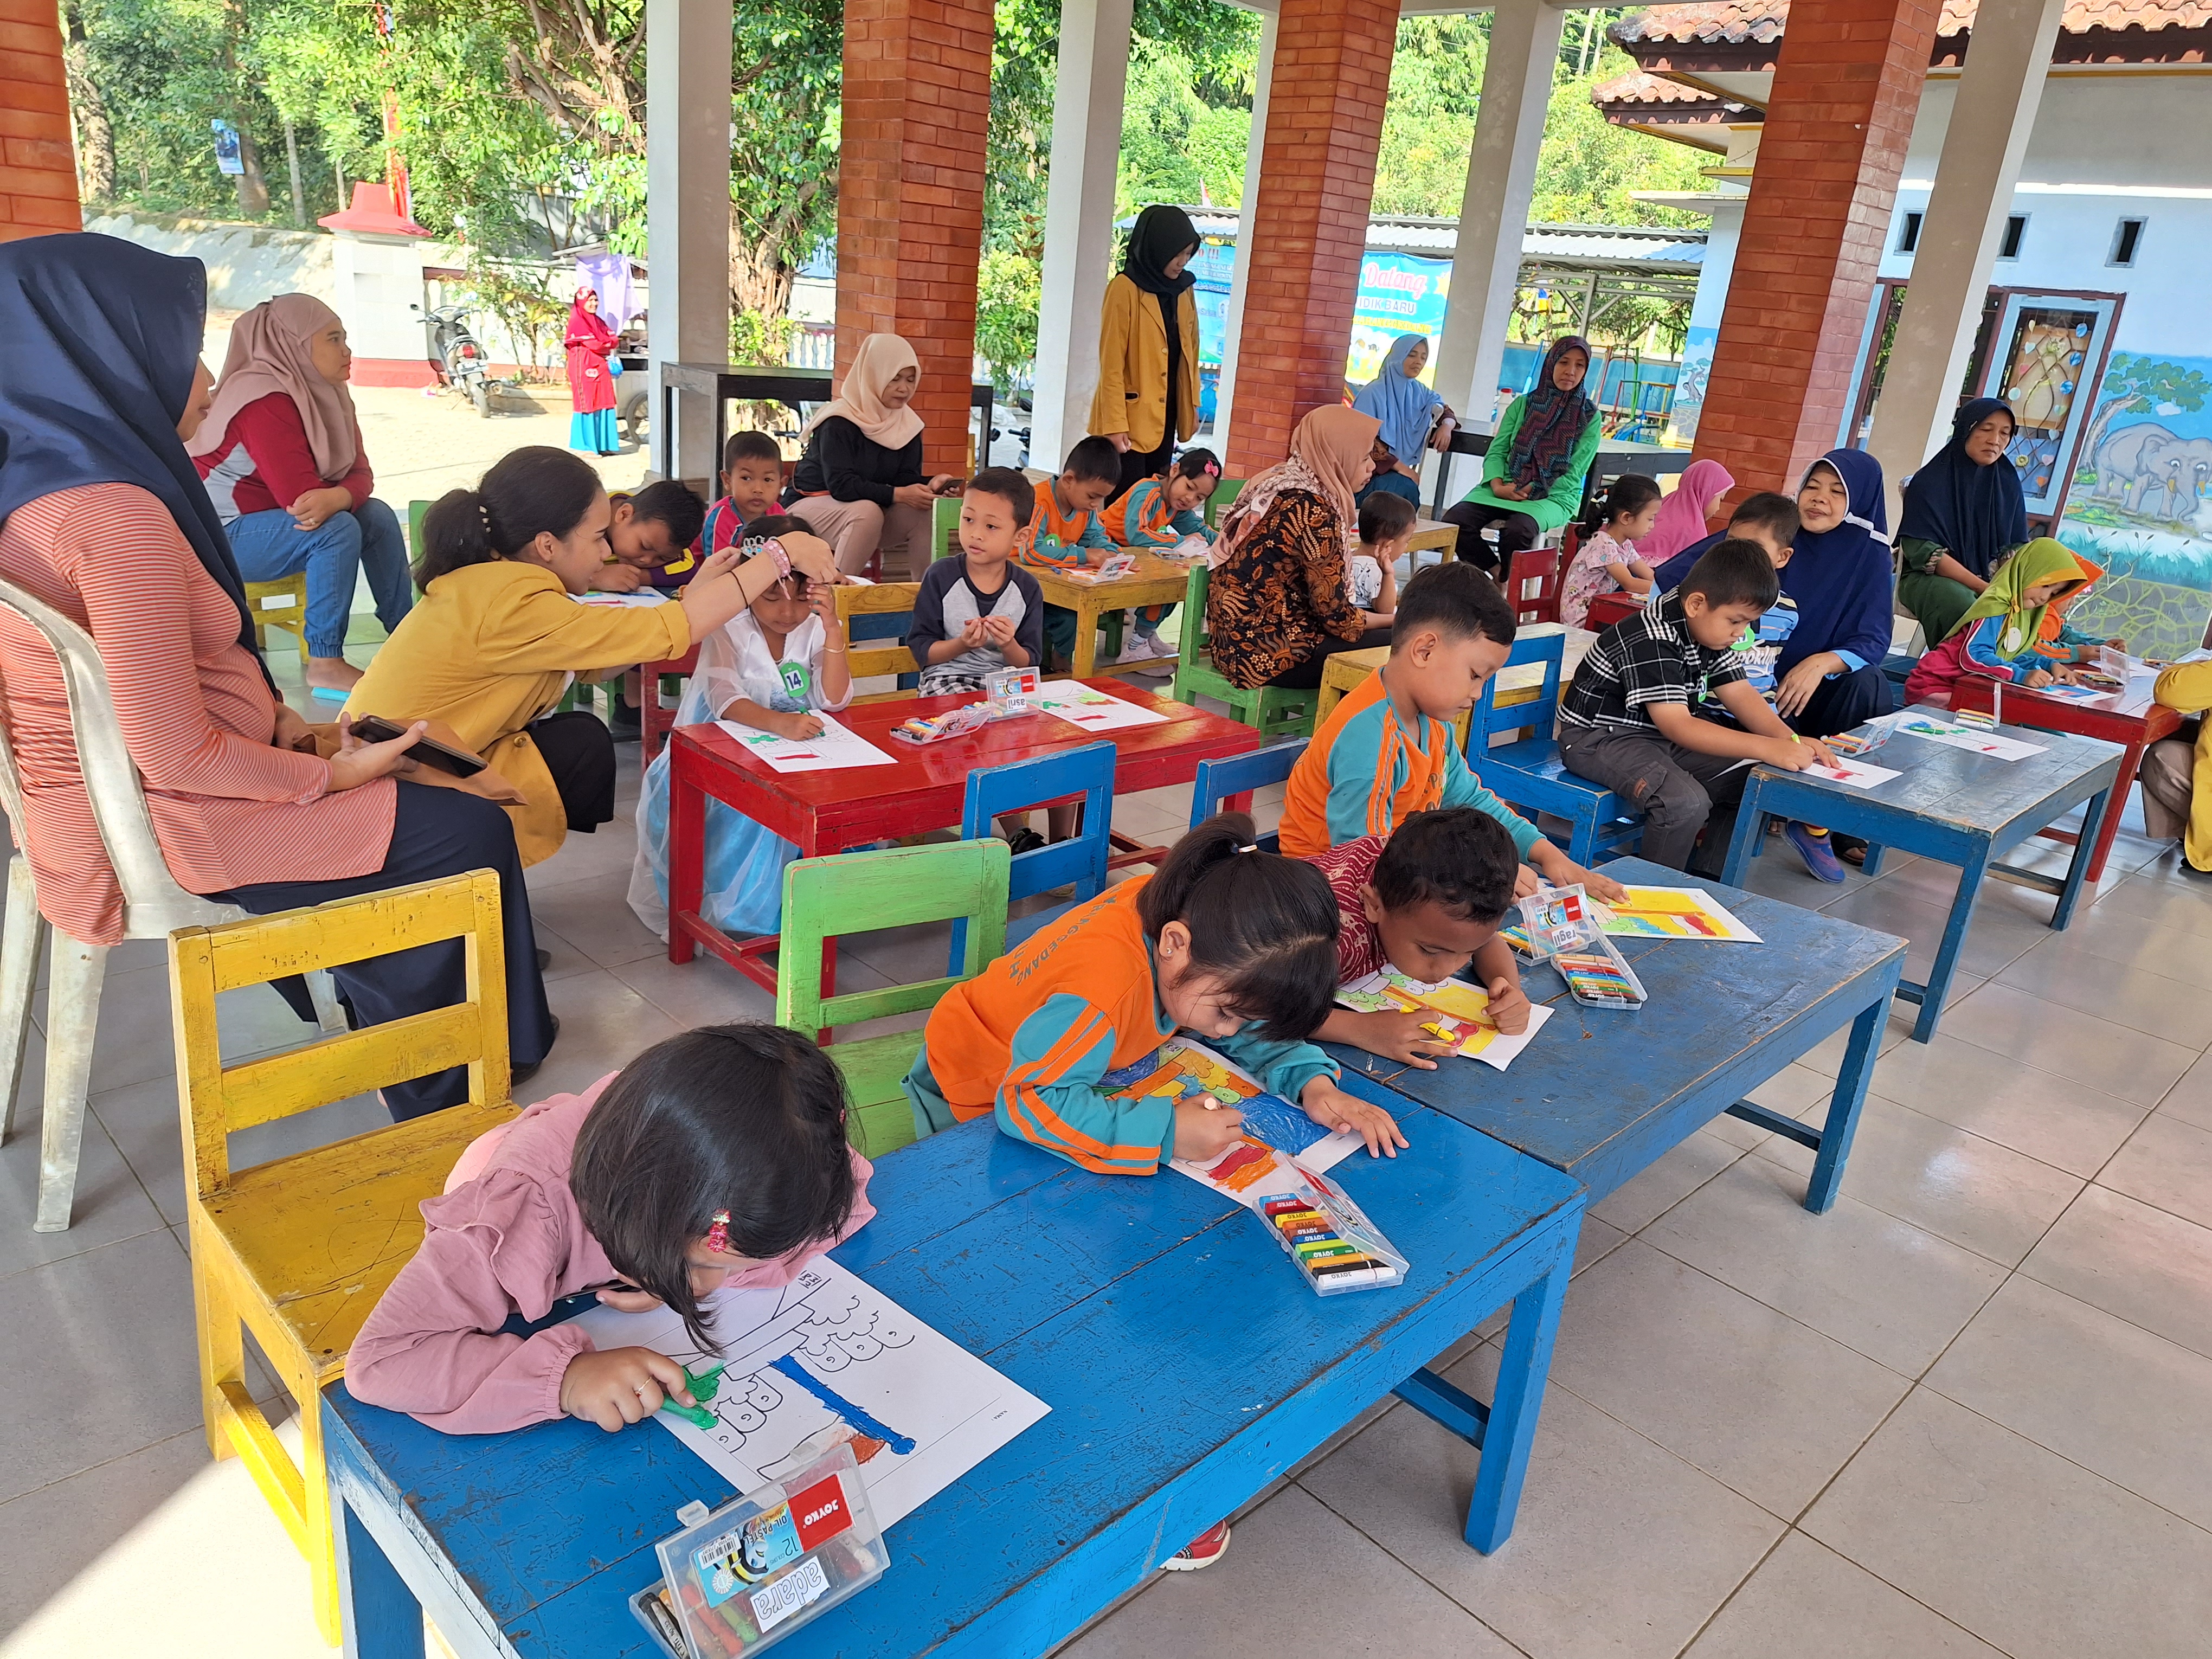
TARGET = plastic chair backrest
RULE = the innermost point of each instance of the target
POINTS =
(883, 610)
(206, 961)
(1087, 772)
(1218, 780)
(1224, 495)
(1546, 644)
(1533, 582)
(153, 902)
(861, 892)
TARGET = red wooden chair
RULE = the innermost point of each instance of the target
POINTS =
(656, 718)
(1532, 583)
(1608, 609)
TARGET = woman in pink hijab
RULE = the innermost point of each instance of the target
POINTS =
(859, 484)
(1682, 515)
(281, 454)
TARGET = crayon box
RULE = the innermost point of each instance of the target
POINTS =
(1328, 1237)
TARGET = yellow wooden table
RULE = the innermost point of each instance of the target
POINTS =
(1430, 535)
(1158, 580)
(1345, 671)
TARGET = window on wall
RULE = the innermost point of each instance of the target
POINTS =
(2127, 237)
(1908, 238)
(2015, 229)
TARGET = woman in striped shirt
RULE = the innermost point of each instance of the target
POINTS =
(103, 516)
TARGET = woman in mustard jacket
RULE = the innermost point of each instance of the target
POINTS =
(2177, 780)
(498, 636)
(1147, 395)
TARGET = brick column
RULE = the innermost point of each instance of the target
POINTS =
(38, 163)
(1301, 241)
(917, 100)
(1846, 85)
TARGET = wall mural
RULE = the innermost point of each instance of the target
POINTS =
(2141, 503)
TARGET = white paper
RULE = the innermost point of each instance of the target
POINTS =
(1094, 711)
(1680, 913)
(1931, 730)
(834, 750)
(1184, 1067)
(1855, 773)
(852, 1344)
(644, 598)
(1454, 1000)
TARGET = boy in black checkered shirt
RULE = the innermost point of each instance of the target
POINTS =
(1661, 712)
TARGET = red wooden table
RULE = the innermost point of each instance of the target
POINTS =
(2135, 730)
(925, 789)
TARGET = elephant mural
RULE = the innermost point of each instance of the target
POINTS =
(2152, 473)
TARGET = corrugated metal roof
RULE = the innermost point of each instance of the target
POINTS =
(1656, 248)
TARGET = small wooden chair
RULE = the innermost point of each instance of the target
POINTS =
(1085, 774)
(297, 1250)
(943, 526)
(281, 604)
(1533, 581)
(881, 614)
(1220, 782)
(1343, 674)
(861, 892)
(1270, 710)
(1224, 495)
(1528, 773)
(656, 718)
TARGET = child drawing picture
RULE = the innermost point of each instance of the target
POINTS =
(1184, 1070)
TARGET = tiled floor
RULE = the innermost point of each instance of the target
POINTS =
(1964, 1414)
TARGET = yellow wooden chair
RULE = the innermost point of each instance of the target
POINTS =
(280, 604)
(870, 656)
(297, 1250)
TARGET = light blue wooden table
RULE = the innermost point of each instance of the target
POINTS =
(1956, 807)
(1186, 1364)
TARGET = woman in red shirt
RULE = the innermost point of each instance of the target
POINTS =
(282, 456)
(591, 342)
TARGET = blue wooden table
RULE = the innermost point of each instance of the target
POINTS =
(1603, 1093)
(1953, 806)
(1186, 1364)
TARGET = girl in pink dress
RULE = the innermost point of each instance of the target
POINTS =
(1606, 562)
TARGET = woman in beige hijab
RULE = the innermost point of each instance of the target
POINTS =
(860, 485)
(1278, 606)
(282, 457)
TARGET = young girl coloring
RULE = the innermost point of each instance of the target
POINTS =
(2015, 631)
(1607, 561)
(715, 1160)
(771, 667)
(1157, 512)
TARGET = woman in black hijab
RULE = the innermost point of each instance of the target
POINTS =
(1147, 395)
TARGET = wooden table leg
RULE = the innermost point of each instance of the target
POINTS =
(2089, 852)
(1844, 1106)
(1972, 874)
(1083, 659)
(686, 854)
(1512, 1429)
(2101, 847)
(381, 1617)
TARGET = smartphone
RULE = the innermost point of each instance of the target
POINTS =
(374, 728)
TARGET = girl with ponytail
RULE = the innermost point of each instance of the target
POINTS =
(1606, 562)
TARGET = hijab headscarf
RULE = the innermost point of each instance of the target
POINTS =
(1682, 515)
(860, 397)
(1974, 512)
(1160, 234)
(1840, 579)
(114, 333)
(2029, 627)
(1551, 420)
(1406, 407)
(588, 329)
(270, 351)
(1327, 450)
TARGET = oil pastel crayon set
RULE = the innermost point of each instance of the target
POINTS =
(1862, 742)
(1599, 977)
(744, 1577)
(958, 722)
(1329, 1237)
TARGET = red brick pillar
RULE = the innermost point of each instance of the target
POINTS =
(1846, 85)
(38, 165)
(1307, 233)
(917, 100)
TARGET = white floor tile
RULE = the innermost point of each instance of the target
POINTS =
(2144, 1264)
(2167, 1162)
(2074, 1044)
(1806, 1599)
(2049, 1117)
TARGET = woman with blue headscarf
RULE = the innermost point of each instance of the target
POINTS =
(1964, 515)
(1410, 414)
(104, 518)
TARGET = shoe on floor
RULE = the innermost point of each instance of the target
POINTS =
(1150, 648)
(522, 1074)
(1813, 847)
(1024, 840)
(627, 724)
(1202, 1551)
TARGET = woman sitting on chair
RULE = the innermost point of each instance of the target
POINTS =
(1532, 471)
(103, 517)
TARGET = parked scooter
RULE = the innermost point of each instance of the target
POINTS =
(455, 353)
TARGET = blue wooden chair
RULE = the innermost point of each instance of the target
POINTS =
(1218, 780)
(1527, 774)
(1087, 772)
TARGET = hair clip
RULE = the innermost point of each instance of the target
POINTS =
(1212, 470)
(1254, 847)
(718, 1236)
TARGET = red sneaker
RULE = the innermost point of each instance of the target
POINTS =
(1202, 1551)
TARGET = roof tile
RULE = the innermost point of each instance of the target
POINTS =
(1736, 22)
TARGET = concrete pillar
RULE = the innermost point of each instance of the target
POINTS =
(1224, 389)
(1846, 84)
(1501, 180)
(2006, 57)
(687, 213)
(1304, 231)
(38, 159)
(917, 102)
(1079, 219)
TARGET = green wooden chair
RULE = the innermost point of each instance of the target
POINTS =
(860, 892)
(943, 524)
(1270, 710)
(1223, 497)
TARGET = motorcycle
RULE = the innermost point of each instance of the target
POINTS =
(455, 353)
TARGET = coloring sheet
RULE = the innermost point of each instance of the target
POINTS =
(1182, 1068)
(1931, 729)
(1094, 711)
(1857, 774)
(829, 1352)
(834, 750)
(1673, 913)
(1462, 1011)
(644, 598)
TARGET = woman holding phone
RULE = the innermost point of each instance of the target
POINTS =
(103, 516)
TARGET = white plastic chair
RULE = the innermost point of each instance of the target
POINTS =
(153, 907)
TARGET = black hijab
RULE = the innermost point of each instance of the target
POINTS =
(1159, 235)
(106, 337)
(1975, 512)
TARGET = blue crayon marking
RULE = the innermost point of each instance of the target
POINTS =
(842, 1407)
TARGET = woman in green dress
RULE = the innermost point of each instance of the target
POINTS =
(1532, 476)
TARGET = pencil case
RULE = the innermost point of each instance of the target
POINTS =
(1559, 919)
(958, 722)
(743, 1578)
(1599, 977)
(1328, 1237)
(1864, 741)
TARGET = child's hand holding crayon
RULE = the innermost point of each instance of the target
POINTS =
(1399, 1034)
(621, 1385)
(1330, 1107)
(1508, 1006)
(1204, 1129)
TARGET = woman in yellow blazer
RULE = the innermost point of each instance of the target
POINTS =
(498, 636)
(1148, 393)
(2177, 780)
